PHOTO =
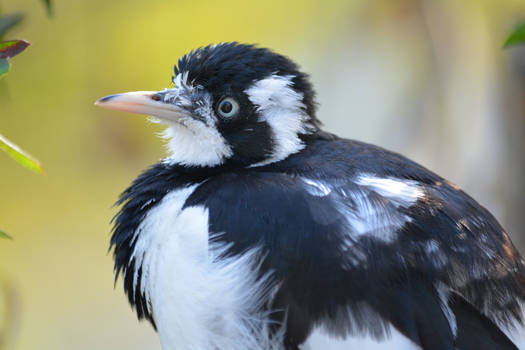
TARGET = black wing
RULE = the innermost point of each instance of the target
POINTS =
(350, 253)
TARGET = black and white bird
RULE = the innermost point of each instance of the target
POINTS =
(261, 231)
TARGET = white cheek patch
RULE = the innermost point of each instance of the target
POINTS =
(193, 143)
(282, 108)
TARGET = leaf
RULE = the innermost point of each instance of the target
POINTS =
(49, 7)
(9, 21)
(12, 48)
(5, 65)
(4, 235)
(517, 37)
(20, 156)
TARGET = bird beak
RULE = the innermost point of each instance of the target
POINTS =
(142, 102)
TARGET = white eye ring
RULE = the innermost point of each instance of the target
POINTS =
(228, 107)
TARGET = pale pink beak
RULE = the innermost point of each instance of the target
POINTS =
(142, 102)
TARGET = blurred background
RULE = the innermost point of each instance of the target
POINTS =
(426, 78)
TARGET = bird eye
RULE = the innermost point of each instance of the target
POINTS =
(228, 107)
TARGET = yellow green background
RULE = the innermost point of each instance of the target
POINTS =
(426, 78)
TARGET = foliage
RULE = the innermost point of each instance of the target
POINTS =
(517, 37)
(49, 7)
(9, 49)
(7, 22)
(20, 156)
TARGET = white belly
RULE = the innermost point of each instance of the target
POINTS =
(394, 340)
(199, 302)
(516, 333)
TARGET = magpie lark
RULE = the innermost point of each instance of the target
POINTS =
(261, 231)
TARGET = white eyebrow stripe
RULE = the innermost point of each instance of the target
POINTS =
(283, 109)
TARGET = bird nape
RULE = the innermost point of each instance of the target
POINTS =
(261, 231)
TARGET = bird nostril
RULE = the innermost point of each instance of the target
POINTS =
(156, 97)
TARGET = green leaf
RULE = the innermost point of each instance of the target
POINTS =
(4, 235)
(49, 7)
(20, 156)
(5, 65)
(517, 37)
(9, 21)
(12, 48)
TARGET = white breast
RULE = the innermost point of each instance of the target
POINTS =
(199, 301)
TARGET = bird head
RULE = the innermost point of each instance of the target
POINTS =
(231, 104)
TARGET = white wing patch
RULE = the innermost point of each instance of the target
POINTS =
(317, 188)
(369, 218)
(371, 209)
(435, 253)
(198, 300)
(393, 340)
(443, 293)
(516, 331)
(282, 108)
(402, 192)
(370, 215)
